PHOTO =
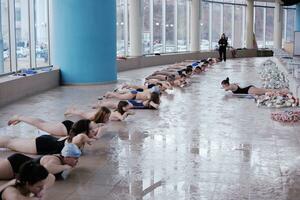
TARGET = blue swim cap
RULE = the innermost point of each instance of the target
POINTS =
(71, 150)
(195, 64)
(155, 89)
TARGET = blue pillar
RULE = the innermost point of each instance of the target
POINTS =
(297, 27)
(84, 40)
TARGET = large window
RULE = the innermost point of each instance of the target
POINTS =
(259, 26)
(170, 26)
(4, 39)
(238, 27)
(24, 28)
(290, 23)
(166, 24)
(269, 27)
(264, 24)
(157, 27)
(120, 27)
(216, 24)
(41, 33)
(204, 26)
(22, 34)
(146, 27)
(182, 25)
(227, 22)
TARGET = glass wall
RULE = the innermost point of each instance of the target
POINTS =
(170, 32)
(146, 27)
(166, 24)
(157, 27)
(269, 25)
(182, 38)
(264, 24)
(290, 23)
(120, 27)
(24, 34)
(4, 39)
(227, 15)
(259, 26)
(204, 26)
(238, 27)
(41, 33)
(216, 24)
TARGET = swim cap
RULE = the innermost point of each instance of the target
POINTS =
(155, 89)
(71, 150)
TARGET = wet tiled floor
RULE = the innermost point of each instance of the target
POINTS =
(201, 144)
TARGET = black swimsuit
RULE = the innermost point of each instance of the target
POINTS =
(17, 160)
(242, 90)
(48, 144)
(68, 124)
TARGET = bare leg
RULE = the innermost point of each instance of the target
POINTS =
(120, 96)
(164, 73)
(87, 115)
(262, 91)
(158, 77)
(19, 145)
(108, 104)
(6, 170)
(53, 128)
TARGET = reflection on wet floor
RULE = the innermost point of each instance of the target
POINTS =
(201, 144)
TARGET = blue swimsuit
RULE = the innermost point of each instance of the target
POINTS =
(137, 104)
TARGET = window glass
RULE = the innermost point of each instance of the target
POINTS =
(227, 22)
(146, 28)
(233, 16)
(182, 25)
(290, 25)
(120, 28)
(4, 39)
(170, 26)
(238, 27)
(269, 27)
(283, 25)
(204, 26)
(259, 26)
(22, 34)
(157, 26)
(240, 1)
(216, 24)
(41, 31)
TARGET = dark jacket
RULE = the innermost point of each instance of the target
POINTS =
(223, 43)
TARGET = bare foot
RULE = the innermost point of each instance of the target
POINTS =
(14, 120)
(98, 105)
(70, 111)
(125, 85)
(95, 106)
(108, 95)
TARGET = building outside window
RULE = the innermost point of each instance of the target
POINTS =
(166, 25)
(24, 41)
(41, 33)
(4, 39)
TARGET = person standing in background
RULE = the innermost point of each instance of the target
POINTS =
(222, 47)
